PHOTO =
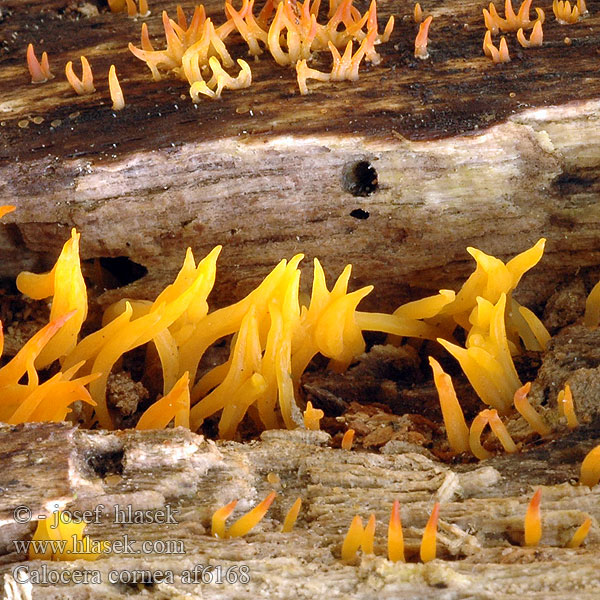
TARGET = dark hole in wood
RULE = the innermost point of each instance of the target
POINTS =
(107, 463)
(359, 213)
(111, 273)
(360, 179)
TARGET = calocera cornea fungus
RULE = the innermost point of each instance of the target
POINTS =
(536, 39)
(533, 520)
(395, 537)
(581, 533)
(174, 406)
(529, 413)
(454, 419)
(566, 407)
(219, 517)
(498, 55)
(291, 516)
(591, 317)
(40, 72)
(82, 86)
(66, 540)
(359, 537)
(422, 39)
(491, 418)
(312, 417)
(251, 519)
(428, 548)
(590, 468)
(512, 21)
(347, 440)
(116, 93)
(565, 15)
(418, 13)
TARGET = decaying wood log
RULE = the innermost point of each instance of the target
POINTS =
(479, 539)
(396, 173)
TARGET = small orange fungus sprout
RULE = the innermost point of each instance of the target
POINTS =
(591, 318)
(251, 519)
(581, 533)
(312, 417)
(418, 13)
(563, 12)
(536, 38)
(66, 540)
(512, 21)
(566, 407)
(590, 468)
(82, 86)
(7, 208)
(40, 73)
(533, 520)
(500, 54)
(428, 548)
(454, 419)
(116, 93)
(348, 439)
(292, 516)
(422, 39)
(528, 412)
(395, 536)
(219, 517)
(484, 418)
(175, 405)
(359, 537)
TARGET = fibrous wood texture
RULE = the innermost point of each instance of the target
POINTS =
(464, 153)
(479, 539)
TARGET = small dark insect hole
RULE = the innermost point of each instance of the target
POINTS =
(360, 179)
(108, 463)
(359, 213)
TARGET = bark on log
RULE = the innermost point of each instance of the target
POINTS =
(465, 153)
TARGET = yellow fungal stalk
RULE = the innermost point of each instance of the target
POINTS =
(181, 302)
(422, 39)
(40, 73)
(7, 208)
(563, 12)
(368, 537)
(533, 520)
(221, 80)
(590, 468)
(536, 38)
(591, 318)
(428, 541)
(292, 516)
(312, 417)
(251, 519)
(498, 55)
(82, 86)
(116, 93)
(580, 535)
(512, 21)
(175, 405)
(418, 13)
(65, 284)
(566, 407)
(348, 439)
(491, 418)
(454, 419)
(219, 517)
(67, 540)
(528, 412)
(395, 539)
(487, 361)
(353, 539)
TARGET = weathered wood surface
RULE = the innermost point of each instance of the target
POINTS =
(481, 526)
(466, 153)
